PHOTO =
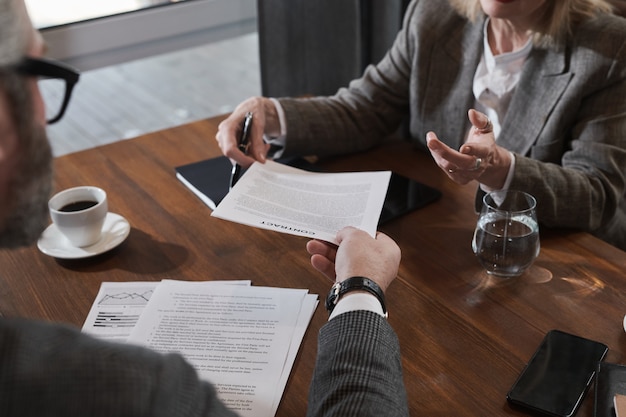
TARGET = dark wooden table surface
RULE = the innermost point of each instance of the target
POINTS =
(464, 336)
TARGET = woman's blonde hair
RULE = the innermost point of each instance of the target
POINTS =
(558, 21)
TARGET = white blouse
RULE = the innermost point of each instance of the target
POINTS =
(495, 80)
(494, 83)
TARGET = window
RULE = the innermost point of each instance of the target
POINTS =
(132, 29)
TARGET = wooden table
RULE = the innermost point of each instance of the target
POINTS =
(464, 336)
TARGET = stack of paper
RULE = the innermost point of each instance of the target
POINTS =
(241, 338)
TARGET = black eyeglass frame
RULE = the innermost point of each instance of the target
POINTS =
(47, 68)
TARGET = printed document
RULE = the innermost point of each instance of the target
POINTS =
(118, 306)
(278, 197)
(242, 339)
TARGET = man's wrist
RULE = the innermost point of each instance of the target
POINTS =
(351, 285)
(357, 301)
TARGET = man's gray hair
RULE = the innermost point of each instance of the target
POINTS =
(13, 31)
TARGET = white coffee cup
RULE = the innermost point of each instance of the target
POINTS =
(79, 213)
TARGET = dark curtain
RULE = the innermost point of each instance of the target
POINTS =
(313, 47)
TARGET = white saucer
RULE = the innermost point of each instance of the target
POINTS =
(115, 230)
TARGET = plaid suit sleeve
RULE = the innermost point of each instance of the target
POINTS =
(358, 370)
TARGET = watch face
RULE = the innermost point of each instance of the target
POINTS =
(333, 296)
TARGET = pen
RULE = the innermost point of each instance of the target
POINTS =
(243, 147)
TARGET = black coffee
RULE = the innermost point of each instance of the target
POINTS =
(78, 205)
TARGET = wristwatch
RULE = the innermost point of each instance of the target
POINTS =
(354, 284)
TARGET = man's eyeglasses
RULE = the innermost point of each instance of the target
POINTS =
(56, 72)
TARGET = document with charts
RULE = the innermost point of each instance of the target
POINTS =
(117, 308)
(242, 339)
(278, 197)
(119, 305)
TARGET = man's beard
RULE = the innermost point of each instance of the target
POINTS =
(29, 190)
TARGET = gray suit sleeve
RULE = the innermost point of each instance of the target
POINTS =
(54, 370)
(359, 369)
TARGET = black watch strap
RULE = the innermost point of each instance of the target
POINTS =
(354, 284)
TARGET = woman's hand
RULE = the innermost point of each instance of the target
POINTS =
(478, 159)
(264, 120)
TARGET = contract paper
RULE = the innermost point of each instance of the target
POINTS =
(243, 340)
(278, 197)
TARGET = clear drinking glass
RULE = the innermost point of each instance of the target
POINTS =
(506, 239)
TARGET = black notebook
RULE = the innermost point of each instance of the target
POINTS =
(208, 179)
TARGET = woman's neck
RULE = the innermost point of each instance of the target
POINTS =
(504, 36)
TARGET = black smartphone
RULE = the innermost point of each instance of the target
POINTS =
(557, 377)
(405, 195)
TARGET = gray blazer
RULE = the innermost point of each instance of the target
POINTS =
(54, 370)
(566, 122)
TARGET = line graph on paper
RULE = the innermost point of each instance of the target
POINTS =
(126, 298)
(117, 309)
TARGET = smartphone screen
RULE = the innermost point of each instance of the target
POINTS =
(556, 379)
(405, 195)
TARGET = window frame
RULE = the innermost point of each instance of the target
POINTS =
(137, 34)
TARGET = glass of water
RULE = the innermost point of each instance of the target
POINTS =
(506, 239)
